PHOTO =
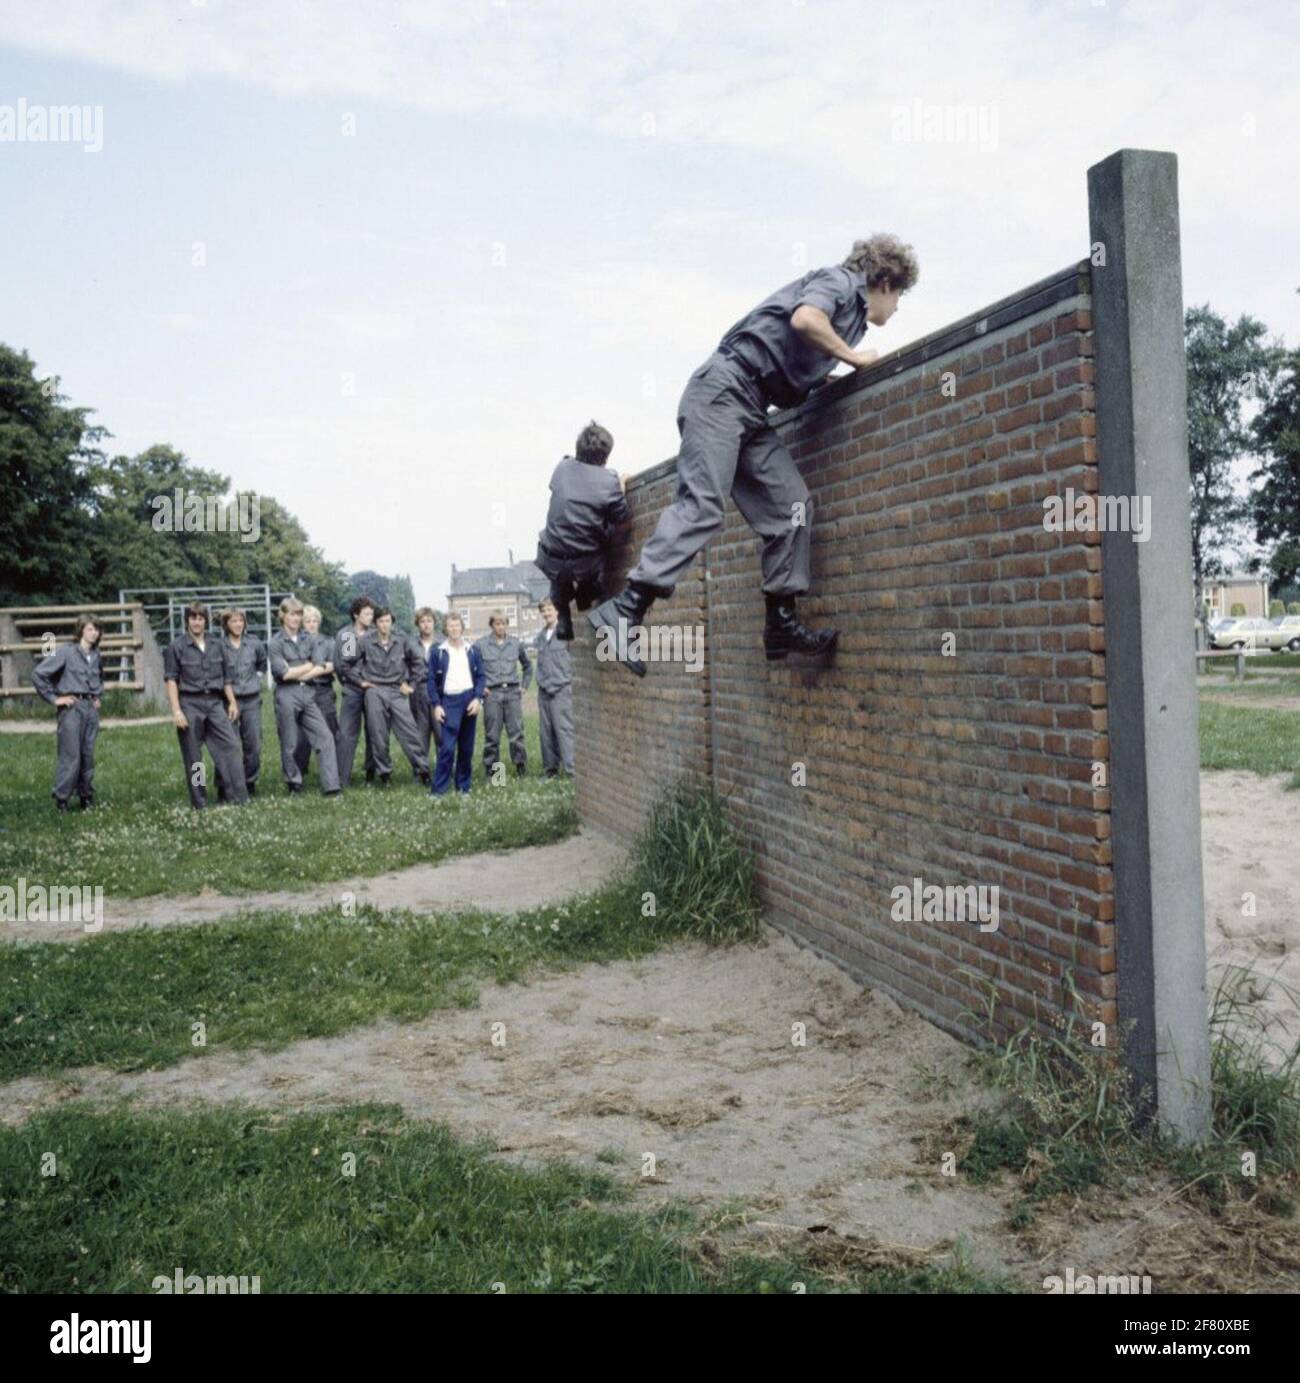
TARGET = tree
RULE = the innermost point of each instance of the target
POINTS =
(1226, 367)
(46, 450)
(1276, 504)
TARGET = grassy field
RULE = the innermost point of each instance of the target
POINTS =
(358, 1200)
(143, 839)
(1255, 739)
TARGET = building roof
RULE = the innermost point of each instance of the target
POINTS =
(523, 578)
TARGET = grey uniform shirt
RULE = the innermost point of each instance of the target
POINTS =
(196, 671)
(587, 503)
(287, 652)
(502, 661)
(554, 670)
(324, 653)
(245, 665)
(347, 654)
(69, 672)
(387, 666)
(788, 366)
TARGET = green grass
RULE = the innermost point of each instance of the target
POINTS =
(113, 703)
(142, 838)
(130, 999)
(1249, 738)
(1259, 685)
(242, 1192)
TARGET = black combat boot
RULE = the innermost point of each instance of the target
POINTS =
(563, 621)
(783, 634)
(629, 608)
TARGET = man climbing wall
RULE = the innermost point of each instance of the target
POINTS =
(775, 356)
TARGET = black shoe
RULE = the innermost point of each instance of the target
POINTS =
(783, 634)
(334, 792)
(87, 803)
(382, 779)
(564, 622)
(60, 805)
(426, 779)
(521, 770)
(252, 790)
(551, 773)
(294, 789)
(370, 775)
(628, 610)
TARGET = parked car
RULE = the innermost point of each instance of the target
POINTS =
(1240, 632)
(1282, 633)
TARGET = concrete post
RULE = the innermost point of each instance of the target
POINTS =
(1141, 390)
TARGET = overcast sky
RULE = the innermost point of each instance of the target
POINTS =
(438, 237)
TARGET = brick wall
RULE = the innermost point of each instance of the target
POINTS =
(955, 736)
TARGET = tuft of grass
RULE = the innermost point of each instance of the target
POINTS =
(700, 874)
(1071, 1120)
(356, 1200)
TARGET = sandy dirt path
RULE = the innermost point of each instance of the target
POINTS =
(499, 881)
(1250, 839)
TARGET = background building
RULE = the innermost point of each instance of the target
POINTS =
(1223, 592)
(514, 590)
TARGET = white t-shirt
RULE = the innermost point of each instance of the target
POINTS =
(458, 677)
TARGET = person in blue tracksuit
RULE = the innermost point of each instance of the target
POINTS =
(456, 686)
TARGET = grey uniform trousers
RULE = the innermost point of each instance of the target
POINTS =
(426, 724)
(249, 729)
(728, 447)
(298, 717)
(555, 725)
(388, 711)
(74, 763)
(209, 724)
(352, 718)
(323, 692)
(503, 705)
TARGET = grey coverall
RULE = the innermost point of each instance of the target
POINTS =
(426, 723)
(554, 703)
(245, 668)
(200, 677)
(352, 705)
(504, 700)
(322, 689)
(728, 445)
(587, 506)
(297, 713)
(386, 667)
(70, 672)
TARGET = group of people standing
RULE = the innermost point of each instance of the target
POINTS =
(429, 693)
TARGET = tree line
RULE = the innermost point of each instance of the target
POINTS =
(77, 524)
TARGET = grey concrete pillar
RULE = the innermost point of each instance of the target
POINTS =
(1141, 384)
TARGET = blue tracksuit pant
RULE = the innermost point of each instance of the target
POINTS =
(458, 732)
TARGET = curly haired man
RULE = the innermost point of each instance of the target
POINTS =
(775, 355)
